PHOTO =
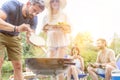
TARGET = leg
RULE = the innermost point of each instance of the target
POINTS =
(51, 52)
(60, 76)
(69, 72)
(92, 73)
(17, 65)
(108, 70)
(61, 52)
(14, 50)
(74, 72)
(1, 62)
(2, 51)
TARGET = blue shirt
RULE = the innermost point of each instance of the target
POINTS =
(13, 9)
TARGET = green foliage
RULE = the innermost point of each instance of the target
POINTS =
(43, 34)
(115, 44)
(89, 56)
(5, 76)
(83, 40)
(7, 66)
(28, 49)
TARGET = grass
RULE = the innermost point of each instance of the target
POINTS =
(5, 76)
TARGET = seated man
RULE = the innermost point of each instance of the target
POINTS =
(105, 62)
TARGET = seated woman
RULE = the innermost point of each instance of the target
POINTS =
(79, 64)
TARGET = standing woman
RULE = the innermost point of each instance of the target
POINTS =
(56, 26)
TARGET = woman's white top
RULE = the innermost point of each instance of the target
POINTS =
(56, 37)
(77, 63)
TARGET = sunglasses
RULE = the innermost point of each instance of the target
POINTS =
(51, 1)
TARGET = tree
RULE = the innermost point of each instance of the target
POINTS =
(115, 44)
(83, 41)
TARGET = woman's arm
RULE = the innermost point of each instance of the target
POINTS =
(82, 62)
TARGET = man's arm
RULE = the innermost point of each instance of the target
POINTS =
(4, 25)
(33, 24)
(9, 27)
(82, 64)
(97, 63)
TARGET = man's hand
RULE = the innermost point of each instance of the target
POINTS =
(95, 65)
(24, 27)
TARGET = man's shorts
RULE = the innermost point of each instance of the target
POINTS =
(10, 45)
(100, 71)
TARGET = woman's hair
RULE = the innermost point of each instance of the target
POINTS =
(75, 48)
(62, 3)
(47, 5)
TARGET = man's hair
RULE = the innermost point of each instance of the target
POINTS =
(102, 40)
(39, 2)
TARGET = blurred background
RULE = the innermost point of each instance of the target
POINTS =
(90, 19)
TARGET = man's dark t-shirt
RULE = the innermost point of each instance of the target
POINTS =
(13, 9)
